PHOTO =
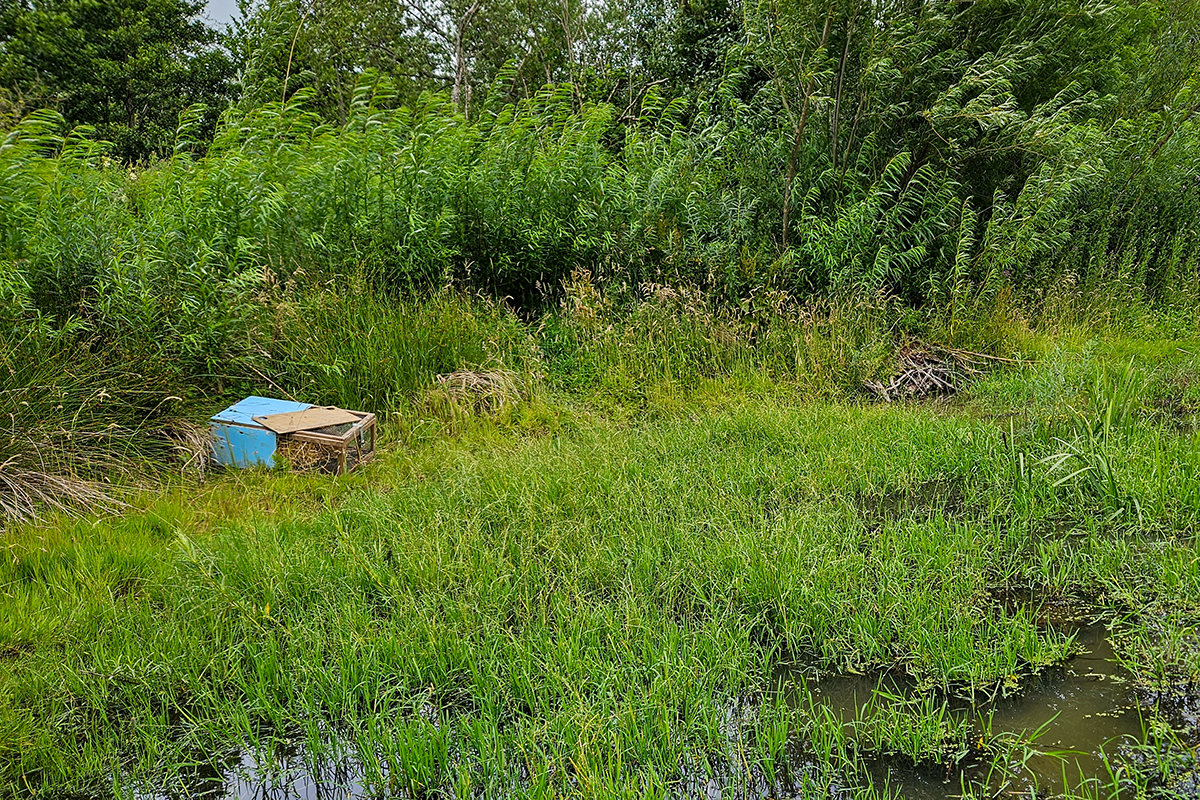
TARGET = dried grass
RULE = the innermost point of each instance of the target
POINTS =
(25, 492)
(191, 446)
(487, 392)
(306, 456)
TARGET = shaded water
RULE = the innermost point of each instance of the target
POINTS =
(1072, 716)
(1086, 706)
(1075, 720)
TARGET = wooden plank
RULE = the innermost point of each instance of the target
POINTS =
(307, 420)
(319, 438)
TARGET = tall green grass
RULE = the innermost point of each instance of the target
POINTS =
(670, 340)
(357, 348)
(78, 430)
(586, 608)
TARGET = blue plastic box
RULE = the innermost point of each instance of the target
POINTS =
(239, 441)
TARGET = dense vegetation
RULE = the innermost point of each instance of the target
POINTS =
(128, 69)
(663, 225)
(946, 164)
(557, 602)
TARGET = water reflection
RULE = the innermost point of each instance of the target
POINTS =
(286, 773)
(1079, 714)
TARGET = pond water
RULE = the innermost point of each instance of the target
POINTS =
(1083, 709)
(1087, 706)
(1076, 716)
(289, 775)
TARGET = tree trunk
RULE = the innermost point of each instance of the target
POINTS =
(130, 113)
(837, 98)
(862, 99)
(292, 52)
(460, 61)
(799, 135)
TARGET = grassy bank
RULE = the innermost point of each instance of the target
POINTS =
(90, 416)
(628, 260)
(592, 597)
(643, 487)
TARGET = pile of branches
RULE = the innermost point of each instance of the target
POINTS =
(927, 371)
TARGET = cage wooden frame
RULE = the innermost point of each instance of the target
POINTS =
(359, 438)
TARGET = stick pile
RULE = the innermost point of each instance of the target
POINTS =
(930, 371)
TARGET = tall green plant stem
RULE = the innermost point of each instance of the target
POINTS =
(798, 136)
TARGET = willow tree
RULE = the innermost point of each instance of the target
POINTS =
(126, 67)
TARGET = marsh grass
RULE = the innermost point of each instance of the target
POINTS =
(1089, 458)
(76, 431)
(354, 347)
(663, 342)
(575, 611)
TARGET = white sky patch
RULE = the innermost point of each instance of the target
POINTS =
(220, 12)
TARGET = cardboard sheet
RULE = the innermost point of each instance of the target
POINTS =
(307, 420)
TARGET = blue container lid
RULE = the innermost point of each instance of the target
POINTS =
(243, 412)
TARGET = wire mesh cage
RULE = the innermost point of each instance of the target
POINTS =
(334, 449)
(262, 431)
